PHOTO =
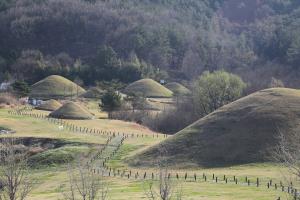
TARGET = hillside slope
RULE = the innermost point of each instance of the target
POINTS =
(148, 88)
(244, 131)
(55, 87)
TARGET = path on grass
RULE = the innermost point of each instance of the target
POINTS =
(105, 154)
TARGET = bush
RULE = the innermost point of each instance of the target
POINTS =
(21, 88)
(213, 90)
(8, 99)
(110, 101)
(174, 120)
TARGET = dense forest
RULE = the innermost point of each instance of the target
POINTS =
(102, 40)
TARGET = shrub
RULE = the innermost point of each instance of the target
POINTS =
(110, 101)
(21, 88)
(8, 99)
(213, 90)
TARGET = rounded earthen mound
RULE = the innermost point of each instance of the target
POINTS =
(245, 131)
(177, 88)
(71, 110)
(55, 87)
(49, 105)
(93, 93)
(148, 88)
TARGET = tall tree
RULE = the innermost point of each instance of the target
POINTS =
(213, 90)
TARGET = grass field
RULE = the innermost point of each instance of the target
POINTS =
(50, 179)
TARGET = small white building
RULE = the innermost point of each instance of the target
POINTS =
(5, 86)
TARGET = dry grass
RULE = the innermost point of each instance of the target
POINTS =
(178, 89)
(71, 110)
(241, 132)
(148, 88)
(49, 105)
(54, 87)
(8, 100)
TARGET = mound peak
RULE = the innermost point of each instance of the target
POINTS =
(178, 88)
(55, 86)
(71, 110)
(49, 105)
(148, 88)
(244, 131)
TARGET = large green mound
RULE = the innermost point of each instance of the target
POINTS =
(177, 88)
(244, 131)
(93, 93)
(49, 105)
(54, 87)
(71, 110)
(148, 88)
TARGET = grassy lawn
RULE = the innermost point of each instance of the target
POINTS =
(51, 178)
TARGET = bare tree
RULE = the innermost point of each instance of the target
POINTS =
(84, 184)
(288, 152)
(166, 188)
(15, 183)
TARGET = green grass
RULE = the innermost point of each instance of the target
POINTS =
(50, 179)
(148, 88)
(58, 156)
(54, 87)
(4, 128)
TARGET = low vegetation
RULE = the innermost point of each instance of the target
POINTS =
(7, 100)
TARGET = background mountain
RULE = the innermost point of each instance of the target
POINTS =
(96, 40)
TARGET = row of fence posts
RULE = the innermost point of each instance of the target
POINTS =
(289, 189)
(80, 129)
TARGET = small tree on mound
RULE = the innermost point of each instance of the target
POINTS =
(110, 101)
(276, 83)
(213, 90)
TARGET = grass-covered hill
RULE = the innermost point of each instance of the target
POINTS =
(244, 131)
(71, 110)
(55, 87)
(49, 105)
(148, 88)
(178, 88)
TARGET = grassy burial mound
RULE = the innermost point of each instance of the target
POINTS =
(49, 105)
(93, 93)
(148, 88)
(71, 110)
(244, 131)
(54, 87)
(177, 88)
